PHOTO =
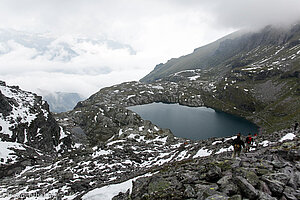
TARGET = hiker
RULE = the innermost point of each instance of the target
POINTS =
(248, 142)
(253, 141)
(237, 146)
(296, 126)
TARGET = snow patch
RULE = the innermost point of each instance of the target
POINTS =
(202, 153)
(265, 143)
(6, 152)
(289, 136)
(216, 142)
(158, 87)
(114, 142)
(193, 78)
(225, 150)
(108, 192)
(130, 96)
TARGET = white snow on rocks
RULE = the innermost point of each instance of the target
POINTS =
(101, 152)
(225, 150)
(21, 110)
(202, 153)
(108, 192)
(216, 142)
(193, 78)
(158, 87)
(265, 143)
(289, 136)
(130, 96)
(114, 142)
(6, 152)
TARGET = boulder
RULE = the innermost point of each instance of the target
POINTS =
(265, 196)
(246, 188)
(214, 173)
(275, 186)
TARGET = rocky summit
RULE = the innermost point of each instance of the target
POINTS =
(102, 150)
(28, 132)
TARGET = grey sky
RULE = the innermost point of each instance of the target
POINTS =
(156, 30)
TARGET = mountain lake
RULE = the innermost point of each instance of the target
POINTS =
(194, 123)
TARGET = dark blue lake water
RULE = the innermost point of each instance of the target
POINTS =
(194, 123)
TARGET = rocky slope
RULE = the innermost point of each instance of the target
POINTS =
(234, 50)
(28, 132)
(267, 173)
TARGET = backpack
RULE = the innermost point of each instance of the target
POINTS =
(237, 146)
(248, 140)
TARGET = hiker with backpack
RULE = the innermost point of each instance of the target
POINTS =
(237, 146)
(255, 145)
(248, 142)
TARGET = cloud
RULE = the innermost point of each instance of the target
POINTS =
(69, 64)
(247, 13)
(83, 84)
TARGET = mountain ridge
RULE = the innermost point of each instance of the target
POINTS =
(213, 54)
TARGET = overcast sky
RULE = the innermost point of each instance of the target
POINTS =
(156, 30)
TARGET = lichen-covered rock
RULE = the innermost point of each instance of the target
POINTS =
(217, 197)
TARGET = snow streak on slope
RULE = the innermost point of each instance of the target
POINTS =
(22, 106)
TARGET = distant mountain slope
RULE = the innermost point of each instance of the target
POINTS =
(228, 51)
(60, 101)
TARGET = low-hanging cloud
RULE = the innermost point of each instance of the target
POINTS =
(256, 13)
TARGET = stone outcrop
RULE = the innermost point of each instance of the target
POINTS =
(261, 174)
(28, 119)
(26, 122)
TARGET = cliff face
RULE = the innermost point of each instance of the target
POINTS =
(26, 119)
(28, 132)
